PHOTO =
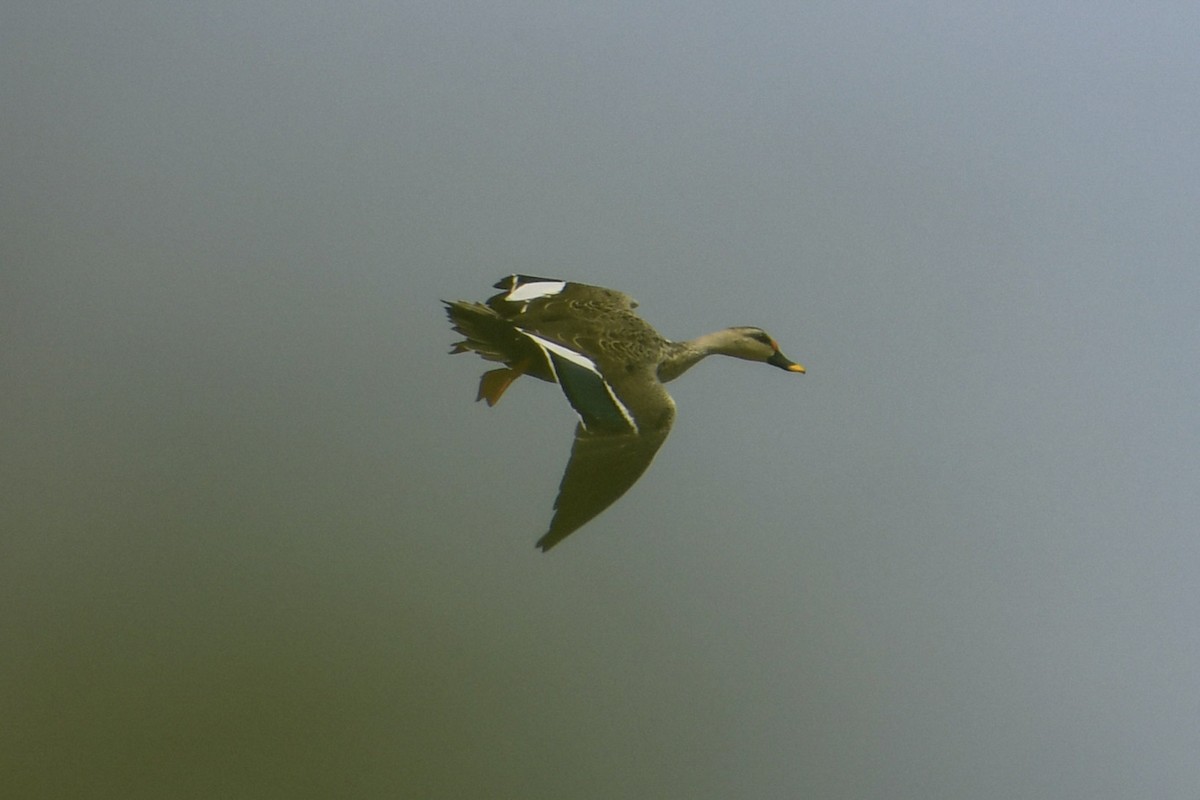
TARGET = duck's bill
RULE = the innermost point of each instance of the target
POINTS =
(781, 361)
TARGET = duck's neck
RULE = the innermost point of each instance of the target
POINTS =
(682, 356)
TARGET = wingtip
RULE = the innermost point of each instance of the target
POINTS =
(548, 540)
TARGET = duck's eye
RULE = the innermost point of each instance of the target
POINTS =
(759, 336)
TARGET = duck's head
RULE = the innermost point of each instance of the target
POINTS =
(754, 344)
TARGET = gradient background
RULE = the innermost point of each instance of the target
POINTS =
(258, 541)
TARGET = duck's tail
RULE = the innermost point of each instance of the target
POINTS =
(486, 333)
(494, 339)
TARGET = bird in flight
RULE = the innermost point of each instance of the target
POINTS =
(610, 364)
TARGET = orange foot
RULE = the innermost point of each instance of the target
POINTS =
(494, 383)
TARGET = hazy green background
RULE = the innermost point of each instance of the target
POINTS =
(258, 541)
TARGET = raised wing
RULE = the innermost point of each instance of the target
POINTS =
(519, 292)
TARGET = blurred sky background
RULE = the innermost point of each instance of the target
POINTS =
(258, 541)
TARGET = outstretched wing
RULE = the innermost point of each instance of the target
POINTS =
(601, 469)
(622, 425)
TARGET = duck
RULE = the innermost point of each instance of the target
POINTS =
(611, 366)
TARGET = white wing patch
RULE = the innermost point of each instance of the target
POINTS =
(532, 291)
(566, 354)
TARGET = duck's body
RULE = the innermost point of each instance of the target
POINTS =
(611, 366)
